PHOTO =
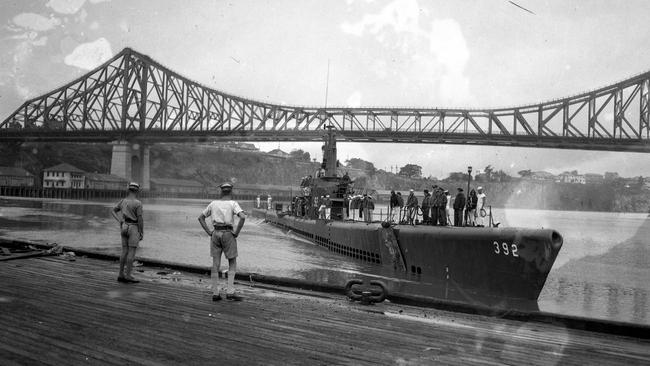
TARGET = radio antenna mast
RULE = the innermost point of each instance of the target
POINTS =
(327, 82)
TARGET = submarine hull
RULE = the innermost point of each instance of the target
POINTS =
(458, 263)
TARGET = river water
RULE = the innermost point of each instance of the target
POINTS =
(601, 272)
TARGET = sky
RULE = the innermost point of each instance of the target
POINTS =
(481, 54)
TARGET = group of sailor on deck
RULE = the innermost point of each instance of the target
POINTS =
(437, 207)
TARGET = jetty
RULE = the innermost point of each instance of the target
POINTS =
(71, 310)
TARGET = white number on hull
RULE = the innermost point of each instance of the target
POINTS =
(505, 249)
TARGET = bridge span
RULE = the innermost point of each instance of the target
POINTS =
(134, 98)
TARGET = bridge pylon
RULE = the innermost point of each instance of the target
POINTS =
(130, 160)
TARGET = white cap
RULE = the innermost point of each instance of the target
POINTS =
(479, 188)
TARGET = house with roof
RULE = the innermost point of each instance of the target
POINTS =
(542, 176)
(109, 182)
(64, 176)
(279, 154)
(593, 178)
(572, 178)
(15, 177)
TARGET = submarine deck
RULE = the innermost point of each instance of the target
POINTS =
(54, 311)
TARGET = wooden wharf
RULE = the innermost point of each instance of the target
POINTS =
(54, 311)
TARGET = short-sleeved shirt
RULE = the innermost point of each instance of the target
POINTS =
(222, 212)
(130, 208)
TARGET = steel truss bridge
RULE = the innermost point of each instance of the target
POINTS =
(132, 97)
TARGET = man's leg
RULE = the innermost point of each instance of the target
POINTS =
(232, 270)
(214, 274)
(130, 257)
(125, 250)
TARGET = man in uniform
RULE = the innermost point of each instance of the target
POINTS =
(131, 231)
(223, 238)
(412, 206)
(426, 208)
(459, 205)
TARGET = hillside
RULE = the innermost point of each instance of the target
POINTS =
(211, 165)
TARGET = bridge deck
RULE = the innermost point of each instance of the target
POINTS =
(57, 312)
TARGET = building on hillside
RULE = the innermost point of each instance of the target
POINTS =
(108, 182)
(279, 154)
(15, 177)
(571, 178)
(64, 176)
(591, 178)
(239, 146)
(542, 176)
(176, 186)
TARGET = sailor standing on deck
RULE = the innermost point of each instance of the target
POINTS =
(448, 207)
(131, 231)
(268, 202)
(459, 205)
(426, 207)
(223, 238)
(412, 206)
(480, 207)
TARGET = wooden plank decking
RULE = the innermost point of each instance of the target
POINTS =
(57, 312)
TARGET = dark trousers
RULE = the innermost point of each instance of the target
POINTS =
(458, 217)
(442, 216)
(434, 215)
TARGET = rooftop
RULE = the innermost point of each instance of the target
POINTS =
(14, 172)
(64, 167)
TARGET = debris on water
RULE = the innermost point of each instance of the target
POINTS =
(137, 264)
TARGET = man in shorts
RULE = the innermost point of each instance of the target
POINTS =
(223, 238)
(128, 212)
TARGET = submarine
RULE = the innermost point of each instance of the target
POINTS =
(458, 263)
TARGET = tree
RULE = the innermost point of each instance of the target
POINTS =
(411, 171)
(501, 176)
(525, 173)
(456, 177)
(300, 155)
(366, 166)
(488, 173)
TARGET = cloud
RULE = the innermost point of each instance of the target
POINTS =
(401, 16)
(433, 49)
(35, 22)
(99, 1)
(354, 100)
(90, 55)
(66, 6)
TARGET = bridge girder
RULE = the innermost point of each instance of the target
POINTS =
(132, 96)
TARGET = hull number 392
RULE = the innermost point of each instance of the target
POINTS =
(505, 249)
